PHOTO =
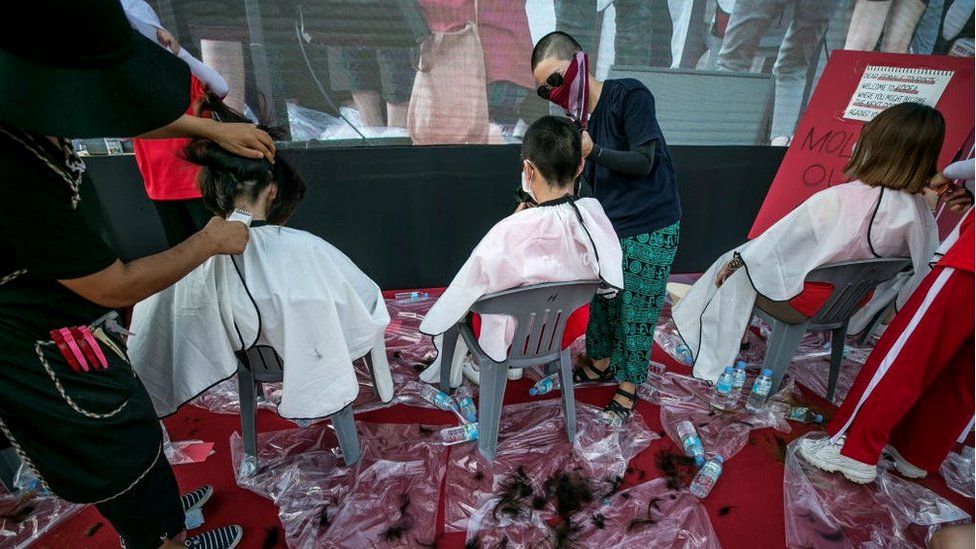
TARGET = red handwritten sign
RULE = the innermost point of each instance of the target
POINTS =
(823, 140)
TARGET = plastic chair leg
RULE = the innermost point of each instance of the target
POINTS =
(345, 427)
(246, 392)
(379, 369)
(494, 377)
(569, 400)
(780, 348)
(447, 357)
(872, 325)
(837, 340)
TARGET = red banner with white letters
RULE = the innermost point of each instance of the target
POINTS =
(854, 85)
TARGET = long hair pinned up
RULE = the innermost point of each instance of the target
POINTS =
(224, 176)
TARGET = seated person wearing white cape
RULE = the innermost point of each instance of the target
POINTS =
(560, 239)
(302, 297)
(882, 213)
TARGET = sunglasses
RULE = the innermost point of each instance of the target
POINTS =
(554, 81)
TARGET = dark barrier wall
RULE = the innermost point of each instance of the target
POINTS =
(409, 216)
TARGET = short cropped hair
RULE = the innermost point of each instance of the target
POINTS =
(899, 148)
(556, 44)
(553, 145)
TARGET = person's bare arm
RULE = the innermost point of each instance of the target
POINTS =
(125, 284)
(241, 139)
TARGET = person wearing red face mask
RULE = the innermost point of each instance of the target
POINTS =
(629, 169)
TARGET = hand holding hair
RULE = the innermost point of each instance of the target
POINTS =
(243, 139)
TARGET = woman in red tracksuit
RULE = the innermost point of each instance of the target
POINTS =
(914, 397)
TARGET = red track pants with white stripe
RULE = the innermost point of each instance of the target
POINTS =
(917, 387)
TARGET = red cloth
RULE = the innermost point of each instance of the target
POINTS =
(960, 255)
(167, 176)
(923, 398)
(815, 295)
(504, 31)
(575, 325)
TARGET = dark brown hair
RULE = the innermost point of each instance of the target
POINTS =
(224, 176)
(899, 149)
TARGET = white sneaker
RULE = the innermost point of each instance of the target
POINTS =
(902, 465)
(826, 456)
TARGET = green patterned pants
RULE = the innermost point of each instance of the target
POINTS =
(622, 328)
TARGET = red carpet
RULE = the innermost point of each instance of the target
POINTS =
(746, 506)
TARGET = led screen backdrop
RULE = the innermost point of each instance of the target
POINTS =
(345, 72)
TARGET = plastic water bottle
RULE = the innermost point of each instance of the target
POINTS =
(672, 345)
(760, 391)
(437, 398)
(740, 378)
(465, 402)
(804, 415)
(25, 479)
(459, 434)
(410, 297)
(707, 477)
(545, 385)
(691, 442)
(723, 389)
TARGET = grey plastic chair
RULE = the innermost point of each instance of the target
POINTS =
(262, 364)
(541, 311)
(852, 280)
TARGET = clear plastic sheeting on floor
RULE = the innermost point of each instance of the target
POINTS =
(722, 432)
(28, 515)
(826, 510)
(532, 439)
(184, 451)
(957, 470)
(646, 515)
(388, 499)
(223, 398)
(408, 350)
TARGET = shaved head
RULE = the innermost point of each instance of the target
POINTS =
(555, 44)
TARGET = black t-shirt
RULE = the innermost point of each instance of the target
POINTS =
(41, 232)
(624, 119)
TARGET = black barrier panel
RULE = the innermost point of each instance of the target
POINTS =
(409, 216)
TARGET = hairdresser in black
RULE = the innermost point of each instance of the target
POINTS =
(70, 404)
(629, 169)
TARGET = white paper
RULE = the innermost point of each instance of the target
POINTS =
(882, 87)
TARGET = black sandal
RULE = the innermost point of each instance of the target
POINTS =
(579, 374)
(618, 409)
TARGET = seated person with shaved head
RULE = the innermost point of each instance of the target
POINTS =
(554, 237)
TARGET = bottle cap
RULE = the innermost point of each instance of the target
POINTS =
(533, 391)
(699, 461)
(728, 370)
(818, 418)
(718, 459)
(741, 365)
(767, 372)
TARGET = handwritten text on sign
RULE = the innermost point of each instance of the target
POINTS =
(882, 87)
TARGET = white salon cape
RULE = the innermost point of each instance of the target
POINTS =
(317, 310)
(843, 223)
(547, 243)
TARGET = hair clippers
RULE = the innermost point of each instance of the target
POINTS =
(241, 215)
